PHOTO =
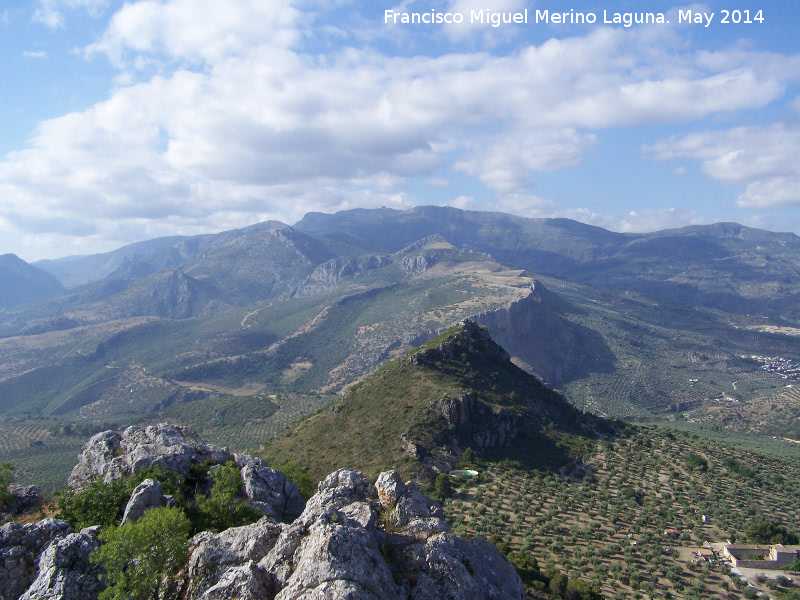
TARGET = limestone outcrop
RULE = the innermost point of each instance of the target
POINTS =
(268, 489)
(148, 494)
(20, 549)
(339, 548)
(351, 541)
(111, 455)
(223, 565)
(66, 571)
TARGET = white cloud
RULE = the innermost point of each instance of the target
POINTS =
(241, 124)
(34, 54)
(484, 8)
(526, 205)
(762, 157)
(196, 30)
(637, 221)
(504, 162)
(51, 12)
(465, 203)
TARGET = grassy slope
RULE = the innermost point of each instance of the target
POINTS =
(364, 430)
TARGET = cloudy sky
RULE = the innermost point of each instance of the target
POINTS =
(127, 121)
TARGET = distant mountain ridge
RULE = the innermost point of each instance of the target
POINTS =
(140, 258)
(627, 325)
(724, 265)
(23, 282)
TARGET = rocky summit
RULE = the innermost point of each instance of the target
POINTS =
(353, 540)
(111, 455)
(420, 412)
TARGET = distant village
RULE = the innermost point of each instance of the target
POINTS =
(785, 367)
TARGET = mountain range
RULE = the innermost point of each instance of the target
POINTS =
(680, 322)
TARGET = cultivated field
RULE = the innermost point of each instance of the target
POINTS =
(605, 521)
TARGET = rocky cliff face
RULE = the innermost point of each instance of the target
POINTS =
(534, 331)
(331, 272)
(490, 428)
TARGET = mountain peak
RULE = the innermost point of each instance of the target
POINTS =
(23, 282)
(457, 342)
(420, 412)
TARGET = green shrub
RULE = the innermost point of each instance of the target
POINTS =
(6, 479)
(301, 477)
(577, 589)
(558, 583)
(526, 565)
(764, 531)
(225, 508)
(138, 556)
(442, 487)
(104, 503)
(99, 504)
(695, 461)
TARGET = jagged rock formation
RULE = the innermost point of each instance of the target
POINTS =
(352, 541)
(111, 455)
(338, 549)
(336, 269)
(223, 565)
(20, 549)
(331, 272)
(268, 489)
(148, 494)
(66, 571)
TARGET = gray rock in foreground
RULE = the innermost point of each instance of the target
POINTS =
(352, 541)
(269, 489)
(66, 571)
(24, 499)
(146, 495)
(335, 549)
(111, 455)
(20, 549)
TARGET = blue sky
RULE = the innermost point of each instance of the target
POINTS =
(127, 121)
